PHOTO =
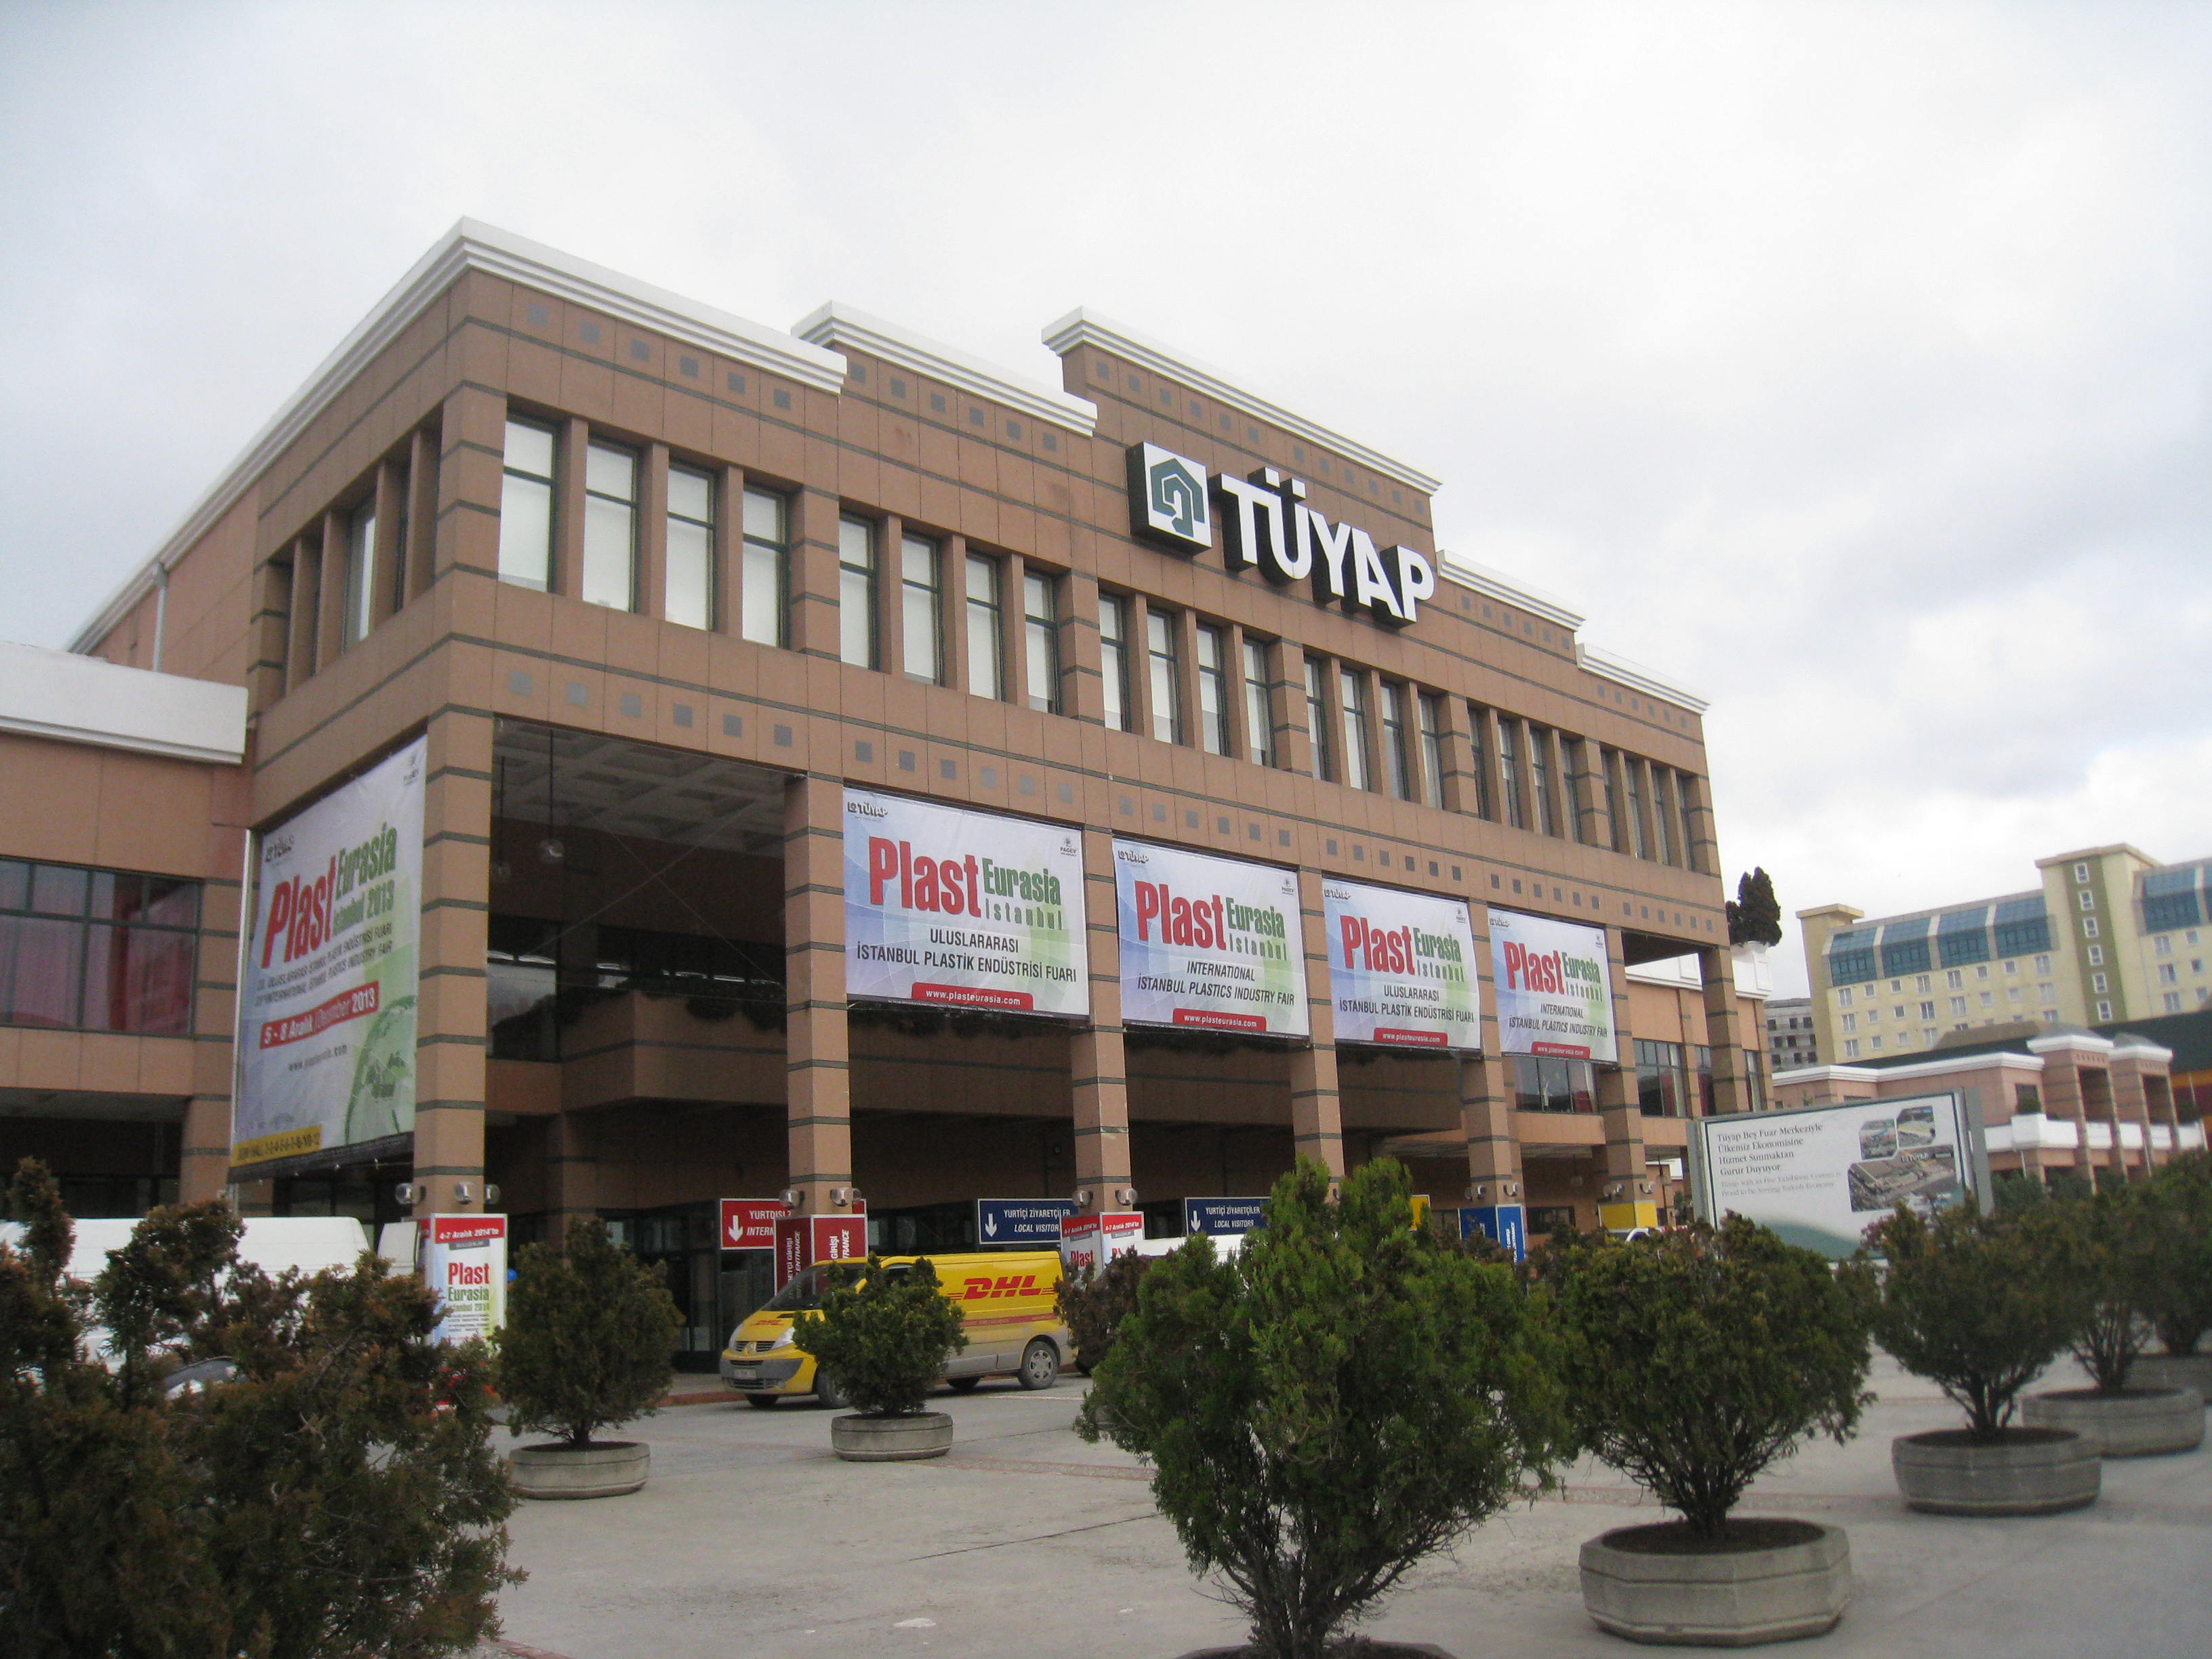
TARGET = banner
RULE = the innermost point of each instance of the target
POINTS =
(1210, 944)
(1821, 1177)
(964, 910)
(327, 1024)
(1400, 968)
(1554, 993)
(464, 1265)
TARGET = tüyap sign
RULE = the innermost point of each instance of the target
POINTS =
(1266, 525)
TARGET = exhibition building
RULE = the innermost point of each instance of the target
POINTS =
(594, 754)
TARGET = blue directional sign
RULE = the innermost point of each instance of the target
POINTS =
(1502, 1222)
(1028, 1221)
(1220, 1216)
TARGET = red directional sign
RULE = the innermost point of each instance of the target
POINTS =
(748, 1224)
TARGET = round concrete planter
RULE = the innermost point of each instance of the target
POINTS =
(904, 1439)
(2134, 1422)
(2028, 1472)
(2176, 1371)
(607, 1469)
(1736, 1600)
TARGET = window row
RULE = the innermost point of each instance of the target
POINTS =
(97, 950)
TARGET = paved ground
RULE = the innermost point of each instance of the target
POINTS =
(751, 1542)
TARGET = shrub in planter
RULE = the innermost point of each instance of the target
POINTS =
(589, 1330)
(1694, 1360)
(1339, 1399)
(1979, 1304)
(335, 1494)
(883, 1337)
(1093, 1305)
(2177, 1292)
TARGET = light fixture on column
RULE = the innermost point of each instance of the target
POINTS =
(793, 1200)
(460, 1192)
(1125, 1198)
(1082, 1198)
(1612, 1191)
(1478, 1192)
(491, 1194)
(1509, 1189)
(406, 1194)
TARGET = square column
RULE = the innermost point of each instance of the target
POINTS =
(2061, 1100)
(450, 1007)
(1485, 1116)
(818, 1071)
(1316, 1116)
(1723, 1030)
(1621, 1113)
(1098, 1065)
(203, 1157)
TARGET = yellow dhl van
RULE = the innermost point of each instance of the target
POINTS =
(1006, 1301)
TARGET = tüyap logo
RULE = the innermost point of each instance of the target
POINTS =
(867, 809)
(1168, 500)
(1177, 497)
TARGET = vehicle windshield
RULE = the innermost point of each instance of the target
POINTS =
(803, 1293)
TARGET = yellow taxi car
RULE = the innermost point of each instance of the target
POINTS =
(1005, 1299)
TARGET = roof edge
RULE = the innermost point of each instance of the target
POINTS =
(1494, 583)
(833, 324)
(1610, 665)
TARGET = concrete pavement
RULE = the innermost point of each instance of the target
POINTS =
(751, 1540)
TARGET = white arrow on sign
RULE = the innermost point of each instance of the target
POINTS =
(991, 1224)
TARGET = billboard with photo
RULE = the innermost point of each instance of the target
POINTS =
(963, 909)
(326, 1021)
(1209, 943)
(1554, 991)
(1821, 1177)
(1400, 968)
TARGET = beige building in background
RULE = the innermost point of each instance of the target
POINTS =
(2111, 934)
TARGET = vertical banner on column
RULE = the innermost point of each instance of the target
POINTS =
(1554, 992)
(1400, 968)
(464, 1265)
(967, 909)
(326, 1016)
(1207, 943)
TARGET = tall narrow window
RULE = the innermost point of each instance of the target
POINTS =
(1485, 799)
(1509, 771)
(1352, 694)
(1040, 639)
(986, 675)
(1660, 849)
(922, 620)
(360, 573)
(691, 587)
(1432, 749)
(1540, 778)
(1212, 691)
(1633, 770)
(1317, 720)
(856, 592)
(1397, 759)
(1686, 788)
(609, 528)
(525, 506)
(403, 491)
(1259, 708)
(763, 586)
(1166, 683)
(1114, 660)
(1609, 766)
(1574, 767)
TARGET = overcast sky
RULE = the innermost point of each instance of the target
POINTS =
(1849, 364)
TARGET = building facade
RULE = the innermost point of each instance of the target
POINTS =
(1792, 1039)
(661, 594)
(2110, 935)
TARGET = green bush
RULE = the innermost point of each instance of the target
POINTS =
(1336, 1401)
(1976, 1303)
(337, 1498)
(1093, 1304)
(2178, 1295)
(1693, 1359)
(882, 1335)
(2112, 1245)
(589, 1332)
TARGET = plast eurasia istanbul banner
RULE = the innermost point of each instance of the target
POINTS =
(326, 1028)
(1554, 992)
(1400, 968)
(1208, 943)
(967, 909)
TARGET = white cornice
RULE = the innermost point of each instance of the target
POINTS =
(1081, 327)
(66, 698)
(2002, 1058)
(2141, 1049)
(2094, 1043)
(1827, 1074)
(1494, 584)
(473, 244)
(1637, 678)
(836, 326)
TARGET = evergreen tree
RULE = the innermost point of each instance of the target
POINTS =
(1754, 915)
(882, 1335)
(589, 1332)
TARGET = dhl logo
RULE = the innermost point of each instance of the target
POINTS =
(980, 1290)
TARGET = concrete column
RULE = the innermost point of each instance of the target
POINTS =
(1486, 1115)
(817, 1052)
(385, 572)
(204, 1158)
(418, 551)
(1293, 742)
(1083, 686)
(1698, 813)
(1097, 1063)
(1724, 1030)
(330, 605)
(450, 1030)
(573, 445)
(1586, 793)
(1619, 1111)
(2062, 1102)
(2130, 1106)
(651, 583)
(472, 447)
(1316, 1117)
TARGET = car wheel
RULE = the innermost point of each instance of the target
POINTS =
(1040, 1365)
(764, 1401)
(962, 1384)
(830, 1394)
